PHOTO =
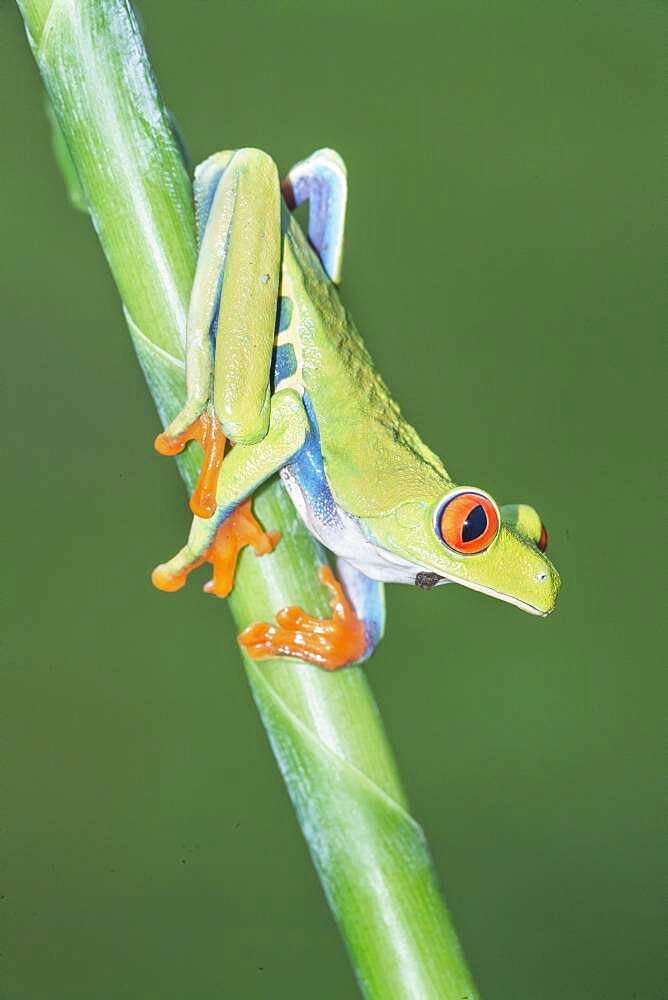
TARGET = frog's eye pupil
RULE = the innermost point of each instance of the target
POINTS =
(467, 521)
(475, 524)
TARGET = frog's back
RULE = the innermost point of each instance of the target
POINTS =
(363, 437)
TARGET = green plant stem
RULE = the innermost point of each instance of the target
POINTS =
(325, 729)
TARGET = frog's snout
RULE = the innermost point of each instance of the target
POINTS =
(549, 584)
(541, 584)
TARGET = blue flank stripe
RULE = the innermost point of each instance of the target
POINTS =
(283, 364)
(309, 470)
(284, 313)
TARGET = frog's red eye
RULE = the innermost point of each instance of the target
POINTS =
(542, 541)
(468, 522)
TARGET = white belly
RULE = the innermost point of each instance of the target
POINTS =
(345, 536)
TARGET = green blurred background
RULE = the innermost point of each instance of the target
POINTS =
(503, 255)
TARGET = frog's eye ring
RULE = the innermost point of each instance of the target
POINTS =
(467, 521)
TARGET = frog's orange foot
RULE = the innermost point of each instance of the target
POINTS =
(236, 531)
(330, 643)
(207, 430)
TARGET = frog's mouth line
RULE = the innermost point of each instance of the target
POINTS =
(427, 581)
(522, 605)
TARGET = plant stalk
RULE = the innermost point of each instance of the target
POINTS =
(325, 729)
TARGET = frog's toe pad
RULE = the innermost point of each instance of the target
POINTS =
(329, 643)
(165, 579)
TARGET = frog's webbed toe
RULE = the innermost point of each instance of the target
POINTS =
(207, 431)
(220, 547)
(329, 643)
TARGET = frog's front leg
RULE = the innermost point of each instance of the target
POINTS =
(349, 636)
(219, 545)
(232, 314)
(321, 179)
(220, 538)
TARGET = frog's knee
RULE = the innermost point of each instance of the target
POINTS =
(242, 420)
(249, 161)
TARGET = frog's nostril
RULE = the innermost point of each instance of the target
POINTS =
(542, 541)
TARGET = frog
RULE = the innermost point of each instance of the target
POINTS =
(278, 381)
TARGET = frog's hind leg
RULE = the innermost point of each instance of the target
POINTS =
(321, 180)
(349, 636)
(212, 229)
(207, 431)
(220, 538)
(232, 313)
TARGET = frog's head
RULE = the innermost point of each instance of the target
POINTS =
(464, 537)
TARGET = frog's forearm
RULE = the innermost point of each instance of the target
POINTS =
(368, 599)
(244, 469)
(247, 466)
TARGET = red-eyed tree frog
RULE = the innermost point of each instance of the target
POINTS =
(275, 367)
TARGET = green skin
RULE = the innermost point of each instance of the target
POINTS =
(387, 486)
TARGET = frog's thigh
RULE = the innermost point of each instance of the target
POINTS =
(205, 184)
(246, 467)
(204, 293)
(246, 215)
(368, 600)
(322, 180)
